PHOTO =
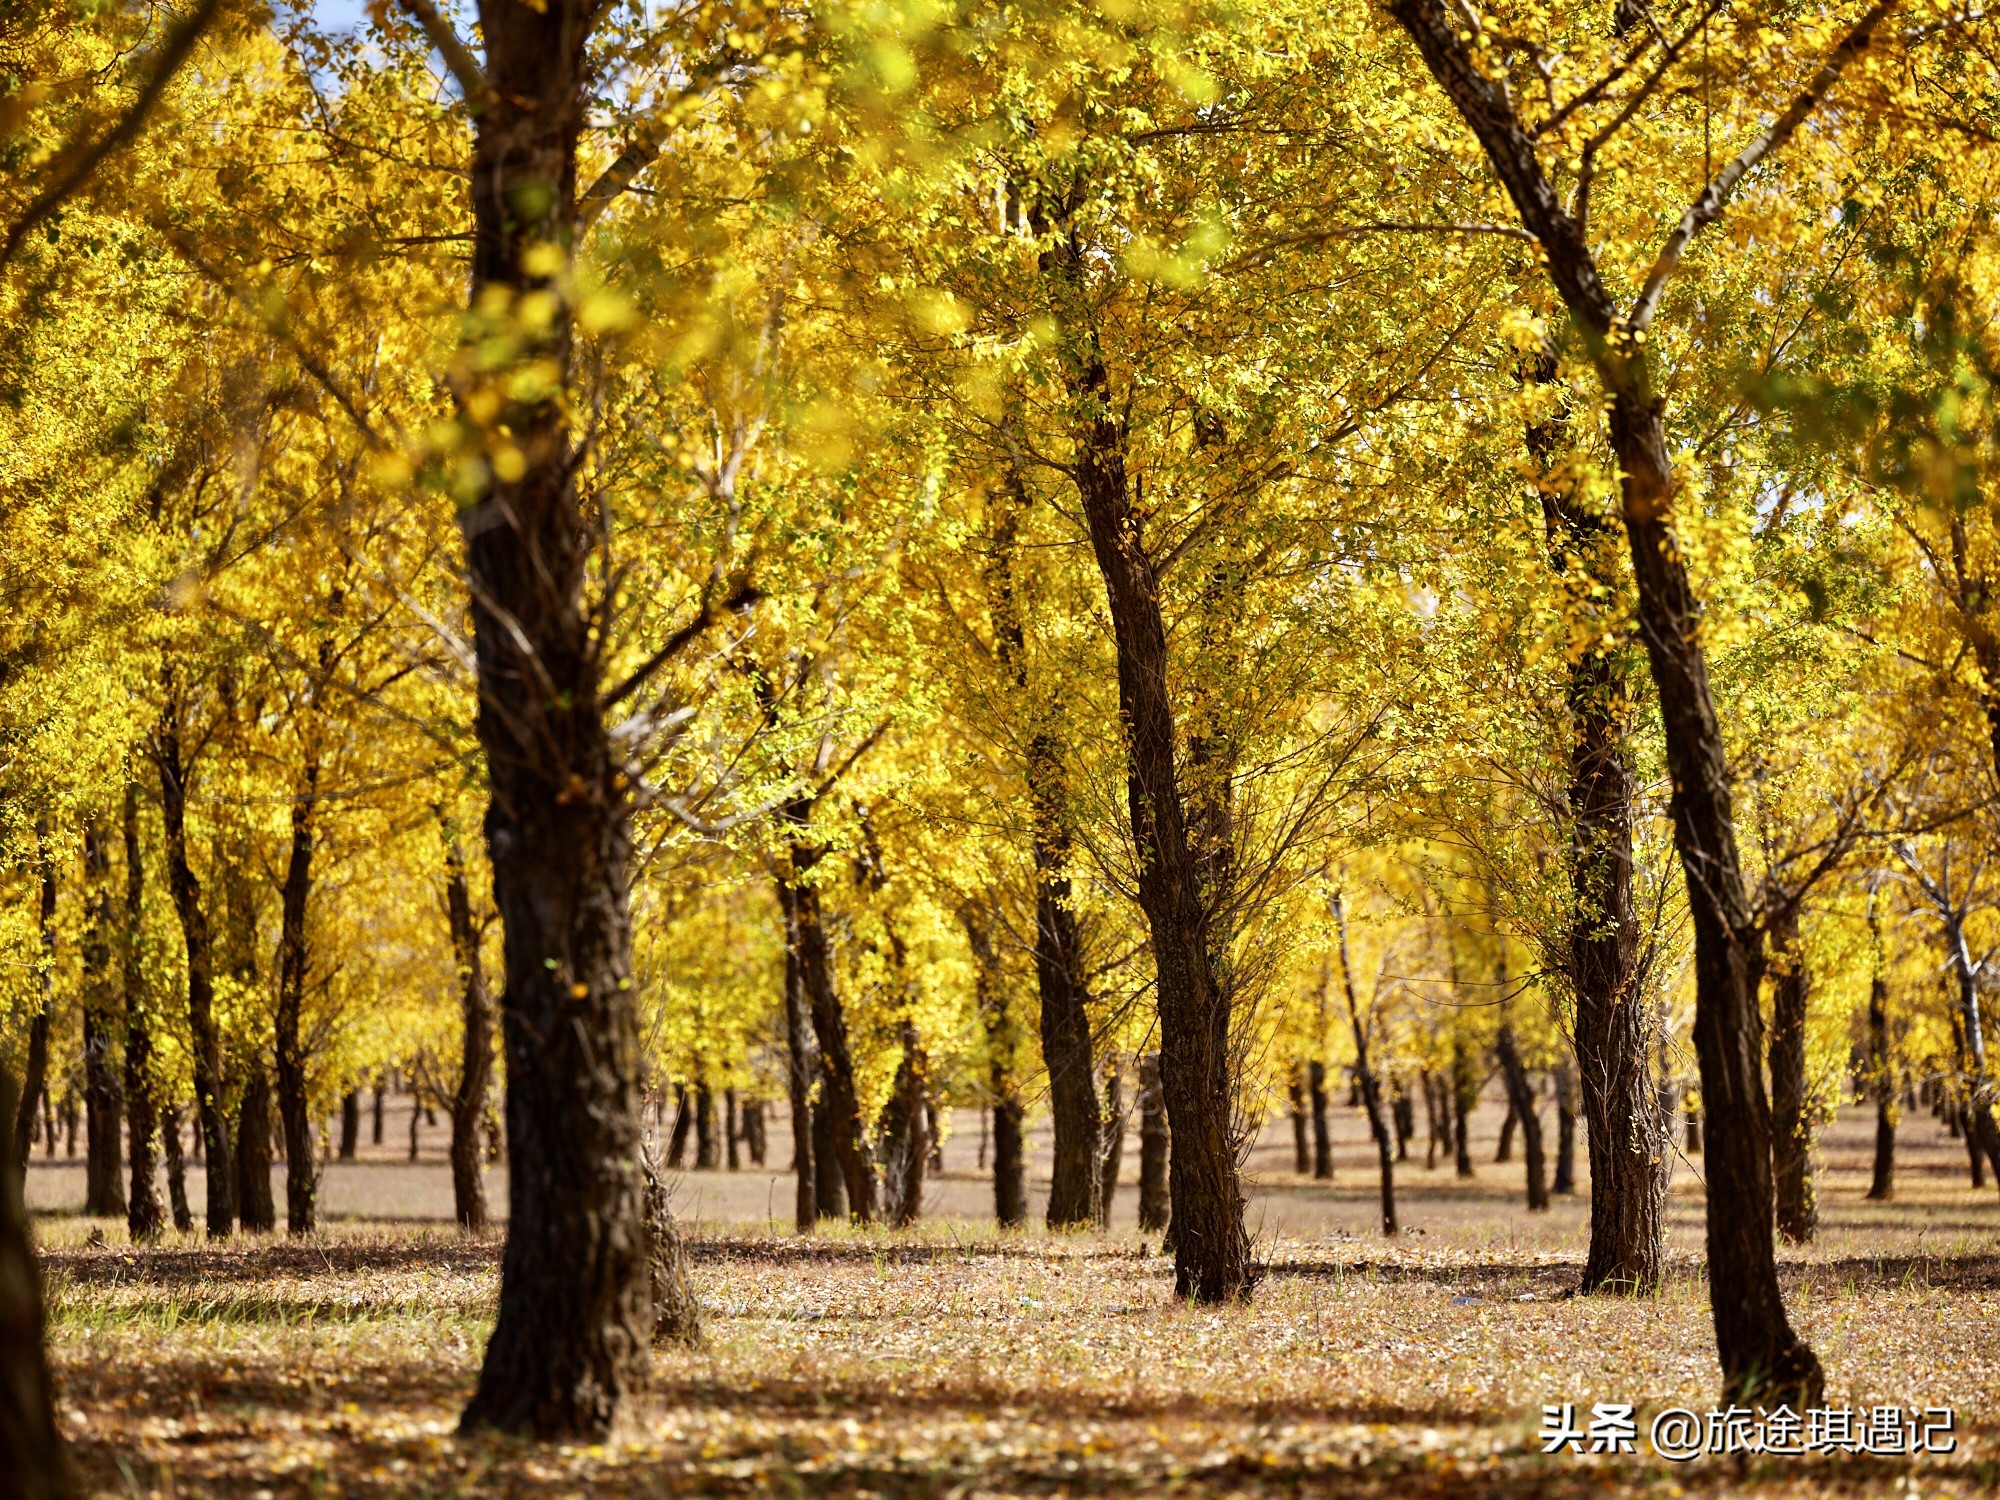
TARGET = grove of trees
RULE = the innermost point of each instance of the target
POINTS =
(729, 562)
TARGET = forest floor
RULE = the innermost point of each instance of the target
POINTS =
(951, 1360)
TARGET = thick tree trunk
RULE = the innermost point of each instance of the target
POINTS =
(1074, 1187)
(258, 1211)
(143, 1216)
(1503, 1151)
(1153, 1146)
(350, 1125)
(575, 1316)
(1212, 1257)
(1565, 1180)
(676, 1309)
(1322, 1131)
(1364, 1075)
(829, 1183)
(294, 1101)
(1521, 1091)
(104, 1168)
(1796, 1205)
(801, 1067)
(33, 1465)
(475, 1067)
(753, 1130)
(218, 1161)
(677, 1138)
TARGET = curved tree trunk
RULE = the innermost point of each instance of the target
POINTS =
(143, 1215)
(1521, 1091)
(104, 1167)
(475, 1071)
(294, 1103)
(1212, 1257)
(575, 1316)
(1796, 1207)
(218, 1161)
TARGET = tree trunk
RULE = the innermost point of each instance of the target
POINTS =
(1003, 1044)
(1153, 1142)
(683, 1127)
(1404, 1113)
(676, 1310)
(218, 1162)
(1114, 1142)
(829, 1183)
(1301, 1147)
(1521, 1091)
(475, 1069)
(1881, 1077)
(104, 1168)
(34, 1083)
(143, 1217)
(706, 1156)
(801, 1067)
(731, 1128)
(294, 1101)
(381, 1094)
(753, 1130)
(1503, 1152)
(1464, 1099)
(1791, 1133)
(350, 1124)
(838, 1101)
(1212, 1256)
(1364, 1075)
(177, 1172)
(36, 1467)
(575, 1318)
(1565, 1130)
(255, 1208)
(1074, 1187)
(1982, 1138)
(905, 1136)
(253, 1153)
(1322, 1132)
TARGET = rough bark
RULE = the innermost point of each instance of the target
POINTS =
(1153, 1146)
(256, 1208)
(753, 1130)
(294, 1101)
(829, 1183)
(1212, 1256)
(906, 1135)
(1113, 1160)
(143, 1215)
(219, 1162)
(1364, 1075)
(1982, 1137)
(475, 1057)
(676, 1309)
(104, 1185)
(1796, 1205)
(177, 1172)
(575, 1319)
(33, 1464)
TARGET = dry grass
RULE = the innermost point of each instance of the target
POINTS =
(954, 1361)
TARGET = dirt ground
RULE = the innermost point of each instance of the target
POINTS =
(952, 1360)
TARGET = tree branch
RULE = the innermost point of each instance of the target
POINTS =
(457, 56)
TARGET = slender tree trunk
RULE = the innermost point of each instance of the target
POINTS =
(1153, 1146)
(1114, 1141)
(177, 1172)
(840, 1103)
(801, 1065)
(1503, 1152)
(1322, 1133)
(34, 1085)
(575, 1311)
(294, 1101)
(255, 1208)
(1301, 1147)
(1074, 1196)
(829, 1182)
(381, 1094)
(905, 1135)
(1003, 1043)
(1403, 1112)
(706, 1157)
(35, 1465)
(143, 1217)
(1364, 1075)
(753, 1130)
(683, 1127)
(731, 1127)
(104, 1175)
(1565, 1181)
(1791, 1132)
(1464, 1099)
(1212, 1256)
(475, 1071)
(218, 1161)
(350, 1124)
(1981, 1135)
(1521, 1091)
(1436, 1118)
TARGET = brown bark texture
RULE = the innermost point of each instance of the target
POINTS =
(33, 1465)
(294, 1100)
(144, 1217)
(104, 1134)
(1795, 1204)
